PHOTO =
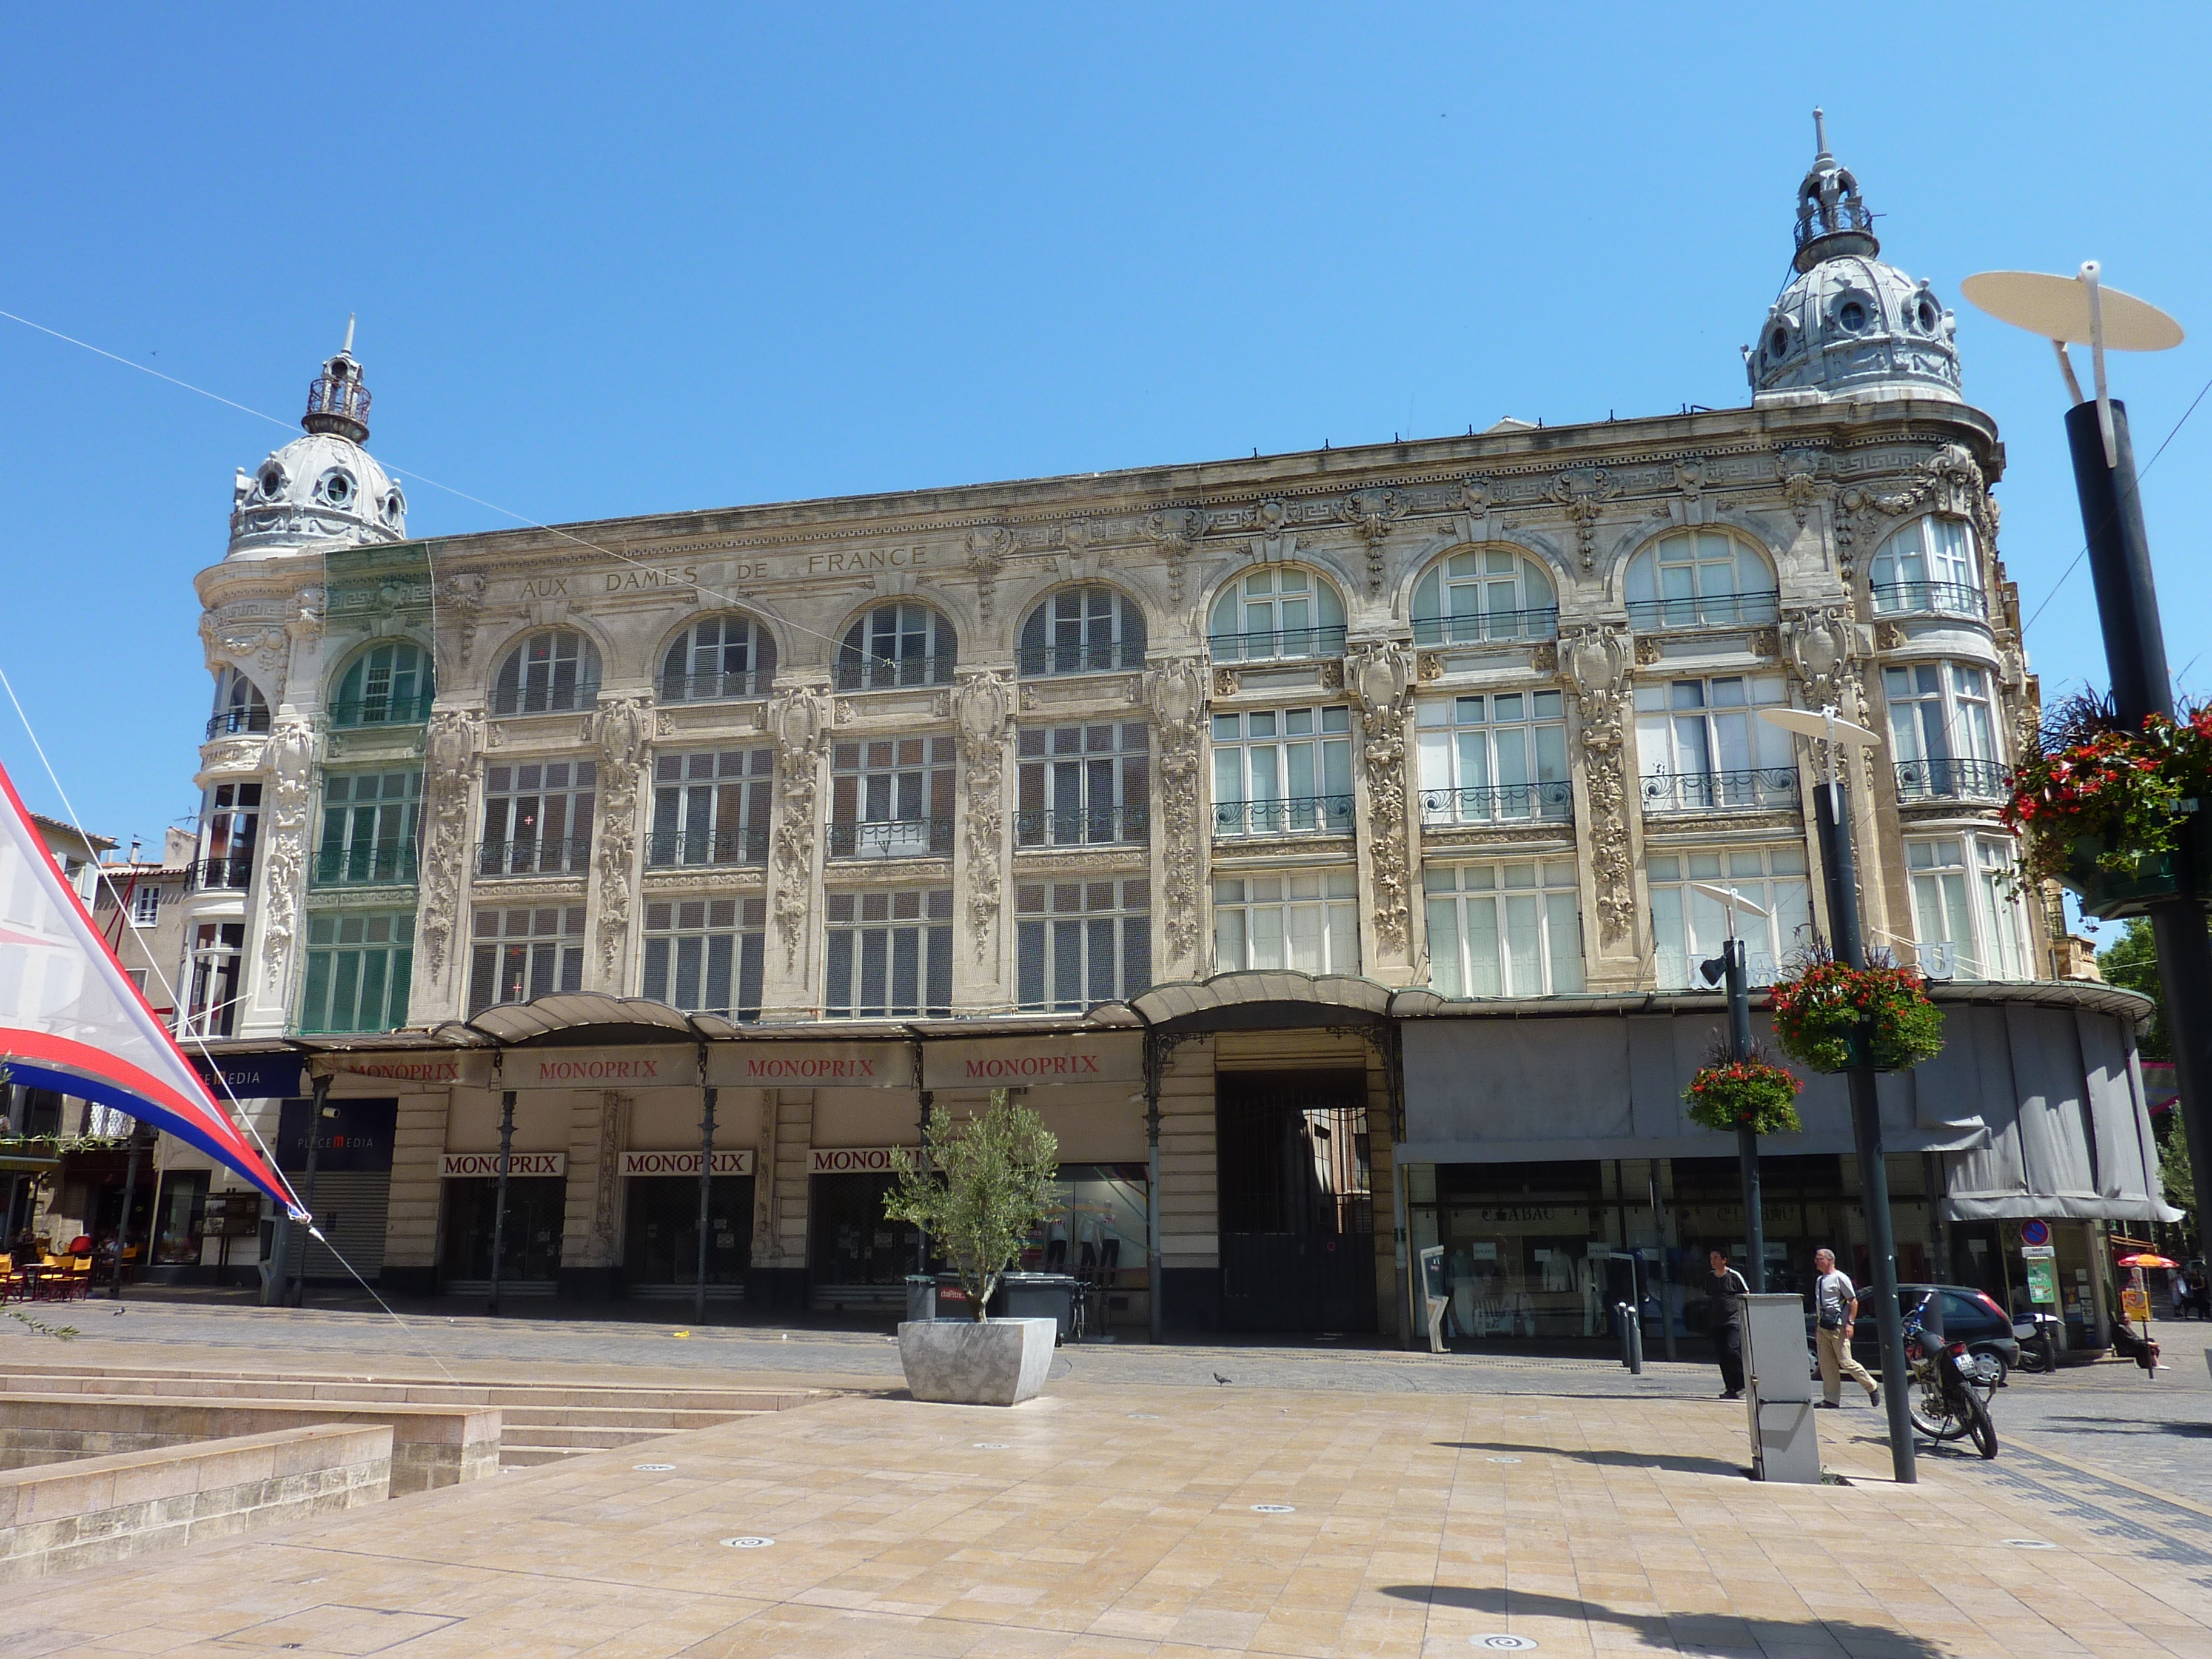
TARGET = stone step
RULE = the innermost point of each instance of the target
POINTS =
(531, 1457)
(578, 1437)
(645, 1420)
(511, 1396)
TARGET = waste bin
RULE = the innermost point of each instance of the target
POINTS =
(1043, 1296)
(921, 1298)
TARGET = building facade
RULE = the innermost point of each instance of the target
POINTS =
(1248, 813)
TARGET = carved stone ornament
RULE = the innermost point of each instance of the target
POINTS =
(465, 597)
(1380, 676)
(1371, 512)
(614, 1130)
(1583, 490)
(1472, 498)
(1595, 661)
(1889, 636)
(449, 751)
(1331, 675)
(1273, 541)
(1947, 480)
(1647, 651)
(1429, 667)
(988, 551)
(1225, 681)
(798, 724)
(1544, 658)
(1766, 642)
(1174, 691)
(1820, 644)
(290, 764)
(1176, 531)
(1690, 476)
(261, 649)
(621, 727)
(1800, 487)
(983, 707)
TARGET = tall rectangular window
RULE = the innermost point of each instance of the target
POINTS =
(1083, 785)
(889, 953)
(1308, 920)
(1964, 912)
(526, 952)
(1282, 771)
(1494, 758)
(146, 905)
(1704, 749)
(704, 955)
(1082, 942)
(1688, 926)
(370, 822)
(891, 797)
(538, 818)
(711, 807)
(229, 827)
(1942, 729)
(1505, 930)
(211, 998)
(359, 971)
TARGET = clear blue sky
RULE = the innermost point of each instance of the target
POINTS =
(639, 259)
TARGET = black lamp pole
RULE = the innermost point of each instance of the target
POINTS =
(1735, 966)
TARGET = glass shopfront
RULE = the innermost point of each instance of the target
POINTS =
(855, 1253)
(180, 1218)
(1094, 1228)
(660, 1240)
(529, 1249)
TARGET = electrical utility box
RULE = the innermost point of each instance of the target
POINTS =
(1778, 1390)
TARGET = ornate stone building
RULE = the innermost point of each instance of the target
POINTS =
(1215, 779)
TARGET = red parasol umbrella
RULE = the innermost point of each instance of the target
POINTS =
(2145, 1259)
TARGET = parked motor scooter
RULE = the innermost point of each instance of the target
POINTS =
(1940, 1397)
(2038, 1333)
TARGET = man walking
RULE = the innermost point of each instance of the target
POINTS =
(1835, 1310)
(1724, 1293)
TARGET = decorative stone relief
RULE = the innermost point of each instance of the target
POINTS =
(449, 752)
(1331, 675)
(1544, 658)
(465, 597)
(1174, 691)
(1690, 477)
(1429, 667)
(1380, 675)
(1371, 512)
(1471, 499)
(1888, 635)
(621, 728)
(982, 703)
(1595, 661)
(614, 1124)
(1176, 531)
(1820, 644)
(1583, 490)
(1272, 539)
(290, 765)
(1800, 488)
(1225, 681)
(263, 650)
(988, 551)
(1947, 480)
(799, 723)
(1647, 651)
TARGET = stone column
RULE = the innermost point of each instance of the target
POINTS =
(1176, 693)
(410, 1228)
(440, 986)
(621, 729)
(983, 701)
(591, 1214)
(799, 719)
(1595, 662)
(276, 928)
(1379, 675)
(777, 1278)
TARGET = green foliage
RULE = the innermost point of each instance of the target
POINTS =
(2131, 963)
(1821, 1009)
(59, 1333)
(2176, 1177)
(988, 1188)
(1755, 1094)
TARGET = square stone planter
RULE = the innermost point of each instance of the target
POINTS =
(960, 1362)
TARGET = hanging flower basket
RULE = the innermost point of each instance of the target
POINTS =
(1745, 1094)
(1823, 1014)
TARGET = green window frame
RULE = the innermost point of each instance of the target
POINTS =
(360, 966)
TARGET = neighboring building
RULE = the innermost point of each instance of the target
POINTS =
(1351, 805)
(76, 853)
(139, 911)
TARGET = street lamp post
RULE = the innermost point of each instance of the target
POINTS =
(1733, 965)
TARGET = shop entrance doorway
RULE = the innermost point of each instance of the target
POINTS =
(660, 1257)
(530, 1244)
(1298, 1213)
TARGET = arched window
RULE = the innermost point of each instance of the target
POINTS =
(238, 705)
(547, 674)
(1928, 566)
(1700, 579)
(1281, 611)
(899, 644)
(716, 658)
(1081, 630)
(390, 683)
(1495, 593)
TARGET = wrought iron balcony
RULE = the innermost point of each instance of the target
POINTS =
(548, 857)
(382, 711)
(232, 722)
(1499, 803)
(1104, 826)
(887, 673)
(1706, 611)
(1952, 780)
(1760, 789)
(1320, 815)
(1102, 656)
(1541, 623)
(542, 699)
(714, 688)
(233, 874)
(669, 849)
(1935, 599)
(890, 838)
(362, 866)
(1283, 643)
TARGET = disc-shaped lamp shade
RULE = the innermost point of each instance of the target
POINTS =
(2057, 309)
(1729, 895)
(1810, 723)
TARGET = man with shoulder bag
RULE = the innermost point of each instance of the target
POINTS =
(1836, 1310)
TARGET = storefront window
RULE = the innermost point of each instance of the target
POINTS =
(855, 1247)
(181, 1218)
(1094, 1221)
(661, 1231)
(530, 1244)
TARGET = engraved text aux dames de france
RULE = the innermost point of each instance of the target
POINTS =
(644, 578)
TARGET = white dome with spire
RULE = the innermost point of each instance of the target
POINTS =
(1848, 325)
(322, 490)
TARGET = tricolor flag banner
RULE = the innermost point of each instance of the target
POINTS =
(71, 1020)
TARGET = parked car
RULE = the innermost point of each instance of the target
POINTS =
(1970, 1316)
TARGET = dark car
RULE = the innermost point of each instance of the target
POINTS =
(1969, 1316)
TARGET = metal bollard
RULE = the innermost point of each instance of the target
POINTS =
(1635, 1342)
(1621, 1319)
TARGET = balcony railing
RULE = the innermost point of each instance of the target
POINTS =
(893, 838)
(1760, 789)
(714, 688)
(362, 866)
(545, 699)
(1324, 815)
(1499, 803)
(1540, 624)
(666, 850)
(1103, 656)
(1939, 599)
(533, 858)
(232, 722)
(1706, 611)
(885, 673)
(1101, 826)
(1292, 643)
(382, 711)
(226, 875)
(1952, 780)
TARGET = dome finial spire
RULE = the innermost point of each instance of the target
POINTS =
(337, 401)
(1819, 146)
(1832, 215)
(346, 350)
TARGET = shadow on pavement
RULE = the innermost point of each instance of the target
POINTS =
(2135, 1425)
(1688, 1633)
(1612, 1459)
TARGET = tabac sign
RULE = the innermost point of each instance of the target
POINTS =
(810, 1065)
(643, 1067)
(1111, 1057)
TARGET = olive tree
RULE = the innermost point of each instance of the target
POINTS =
(981, 1188)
